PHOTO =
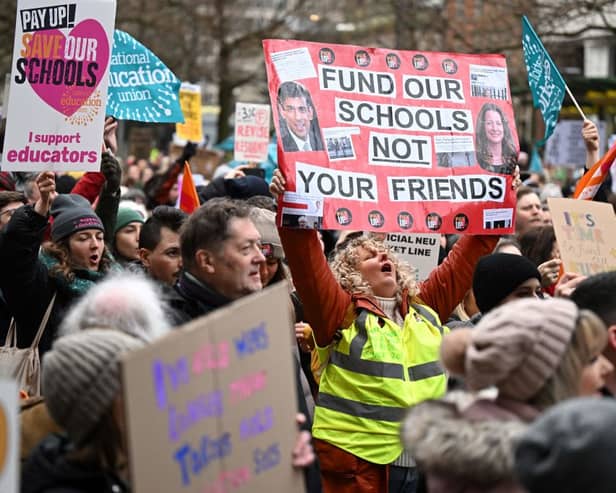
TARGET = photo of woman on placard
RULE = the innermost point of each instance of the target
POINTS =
(495, 148)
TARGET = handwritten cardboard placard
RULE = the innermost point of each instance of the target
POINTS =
(418, 250)
(211, 406)
(9, 437)
(252, 122)
(190, 102)
(586, 235)
(59, 78)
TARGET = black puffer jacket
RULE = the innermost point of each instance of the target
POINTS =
(48, 470)
(26, 283)
(191, 298)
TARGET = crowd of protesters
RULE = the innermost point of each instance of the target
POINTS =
(494, 374)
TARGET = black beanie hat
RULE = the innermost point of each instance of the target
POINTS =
(243, 187)
(246, 186)
(496, 277)
(72, 213)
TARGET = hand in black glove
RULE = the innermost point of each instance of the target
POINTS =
(110, 167)
(190, 149)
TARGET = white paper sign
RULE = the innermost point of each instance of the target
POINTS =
(418, 250)
(566, 146)
(252, 128)
(59, 77)
(294, 64)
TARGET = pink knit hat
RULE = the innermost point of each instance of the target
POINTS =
(518, 346)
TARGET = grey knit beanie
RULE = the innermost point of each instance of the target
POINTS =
(569, 448)
(265, 222)
(518, 346)
(72, 213)
(81, 378)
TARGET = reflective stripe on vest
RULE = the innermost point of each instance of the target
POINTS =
(360, 409)
(353, 361)
(371, 368)
(425, 370)
(428, 315)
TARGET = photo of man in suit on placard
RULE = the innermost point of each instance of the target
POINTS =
(299, 126)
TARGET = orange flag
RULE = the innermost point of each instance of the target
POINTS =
(189, 200)
(591, 181)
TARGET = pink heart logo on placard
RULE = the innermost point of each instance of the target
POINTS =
(86, 43)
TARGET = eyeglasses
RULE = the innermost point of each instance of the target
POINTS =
(9, 213)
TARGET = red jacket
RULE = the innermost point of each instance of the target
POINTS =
(89, 185)
(328, 307)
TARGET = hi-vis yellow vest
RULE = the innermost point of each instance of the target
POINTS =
(375, 372)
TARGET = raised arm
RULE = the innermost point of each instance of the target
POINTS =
(590, 134)
(449, 282)
(158, 187)
(326, 304)
(109, 198)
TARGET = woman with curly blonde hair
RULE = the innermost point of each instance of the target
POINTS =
(382, 334)
(344, 267)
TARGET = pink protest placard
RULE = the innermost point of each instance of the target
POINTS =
(58, 91)
(392, 141)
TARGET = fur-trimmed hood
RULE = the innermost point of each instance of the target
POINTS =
(462, 438)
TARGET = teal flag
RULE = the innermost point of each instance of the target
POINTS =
(546, 84)
(141, 87)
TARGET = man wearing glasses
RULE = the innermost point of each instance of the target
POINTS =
(299, 126)
(9, 202)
